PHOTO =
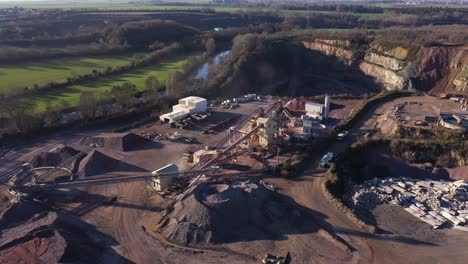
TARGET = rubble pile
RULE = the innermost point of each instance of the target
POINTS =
(434, 202)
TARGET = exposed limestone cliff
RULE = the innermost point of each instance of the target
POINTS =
(441, 69)
(384, 61)
(330, 50)
(384, 69)
(389, 79)
(335, 42)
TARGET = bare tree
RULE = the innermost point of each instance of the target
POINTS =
(18, 110)
(124, 94)
(170, 84)
(152, 83)
(88, 105)
(210, 46)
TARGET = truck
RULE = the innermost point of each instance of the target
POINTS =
(326, 159)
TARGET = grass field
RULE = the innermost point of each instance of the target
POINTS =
(71, 94)
(124, 5)
(21, 75)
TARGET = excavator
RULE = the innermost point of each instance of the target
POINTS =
(271, 259)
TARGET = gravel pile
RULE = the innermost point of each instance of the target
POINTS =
(115, 141)
(56, 157)
(99, 163)
(32, 234)
(221, 213)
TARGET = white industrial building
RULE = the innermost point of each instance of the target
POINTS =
(187, 106)
(320, 111)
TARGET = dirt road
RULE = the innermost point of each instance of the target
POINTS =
(394, 247)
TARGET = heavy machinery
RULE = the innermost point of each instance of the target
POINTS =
(24, 184)
(271, 259)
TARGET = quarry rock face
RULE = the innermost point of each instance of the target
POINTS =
(331, 50)
(389, 79)
(442, 68)
(387, 62)
(436, 69)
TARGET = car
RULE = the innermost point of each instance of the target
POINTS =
(342, 135)
(326, 159)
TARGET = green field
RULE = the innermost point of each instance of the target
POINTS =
(71, 94)
(124, 5)
(21, 75)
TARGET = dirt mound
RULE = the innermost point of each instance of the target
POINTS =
(222, 213)
(42, 236)
(99, 163)
(54, 157)
(116, 141)
(296, 106)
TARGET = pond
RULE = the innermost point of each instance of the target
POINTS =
(203, 71)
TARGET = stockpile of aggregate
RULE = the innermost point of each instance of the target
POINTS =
(30, 233)
(63, 156)
(215, 213)
(54, 157)
(97, 162)
(115, 141)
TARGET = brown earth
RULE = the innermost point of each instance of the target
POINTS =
(439, 66)
(460, 173)
(30, 233)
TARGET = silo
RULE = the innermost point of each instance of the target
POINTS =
(326, 111)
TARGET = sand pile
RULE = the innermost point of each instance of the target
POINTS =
(296, 106)
(99, 163)
(222, 213)
(31, 234)
(55, 157)
(116, 141)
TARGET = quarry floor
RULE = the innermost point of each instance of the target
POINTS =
(138, 208)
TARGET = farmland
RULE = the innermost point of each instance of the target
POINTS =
(21, 75)
(139, 7)
(70, 95)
